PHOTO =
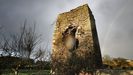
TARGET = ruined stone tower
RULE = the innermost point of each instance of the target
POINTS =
(75, 42)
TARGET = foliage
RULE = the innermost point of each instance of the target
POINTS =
(116, 63)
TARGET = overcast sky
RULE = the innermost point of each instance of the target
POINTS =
(114, 19)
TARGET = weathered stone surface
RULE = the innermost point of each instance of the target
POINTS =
(84, 53)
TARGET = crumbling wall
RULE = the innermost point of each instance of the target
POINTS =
(85, 53)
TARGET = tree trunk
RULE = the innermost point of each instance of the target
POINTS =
(16, 72)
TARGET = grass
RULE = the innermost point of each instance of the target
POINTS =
(47, 72)
(27, 72)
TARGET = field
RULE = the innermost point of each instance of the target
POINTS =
(27, 72)
(47, 72)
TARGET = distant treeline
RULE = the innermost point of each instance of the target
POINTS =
(7, 62)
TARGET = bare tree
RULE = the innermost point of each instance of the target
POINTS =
(30, 40)
(21, 44)
(39, 54)
(25, 41)
(5, 46)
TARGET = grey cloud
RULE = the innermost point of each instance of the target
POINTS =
(117, 37)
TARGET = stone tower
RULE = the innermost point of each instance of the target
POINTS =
(75, 42)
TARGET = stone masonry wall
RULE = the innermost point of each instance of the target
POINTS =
(86, 55)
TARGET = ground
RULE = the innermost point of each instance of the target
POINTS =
(27, 72)
(47, 72)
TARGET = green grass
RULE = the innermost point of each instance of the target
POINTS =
(27, 72)
(46, 72)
